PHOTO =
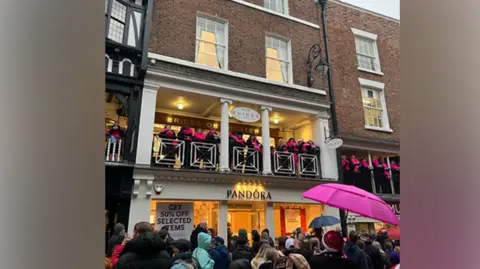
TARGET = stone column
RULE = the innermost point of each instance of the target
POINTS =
(145, 129)
(267, 163)
(328, 157)
(270, 219)
(140, 203)
(224, 136)
(222, 219)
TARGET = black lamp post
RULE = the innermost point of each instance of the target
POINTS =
(322, 66)
(333, 112)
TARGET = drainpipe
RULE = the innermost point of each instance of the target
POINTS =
(333, 112)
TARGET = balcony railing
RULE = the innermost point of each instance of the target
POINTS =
(203, 155)
(168, 151)
(245, 160)
(308, 165)
(175, 153)
(284, 163)
(113, 149)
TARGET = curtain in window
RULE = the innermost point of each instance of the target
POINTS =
(282, 53)
(220, 42)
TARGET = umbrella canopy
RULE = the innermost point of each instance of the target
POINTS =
(353, 199)
(322, 221)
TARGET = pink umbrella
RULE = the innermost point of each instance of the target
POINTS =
(353, 199)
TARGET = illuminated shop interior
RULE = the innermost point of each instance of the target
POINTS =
(250, 215)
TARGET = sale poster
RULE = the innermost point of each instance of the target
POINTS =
(178, 217)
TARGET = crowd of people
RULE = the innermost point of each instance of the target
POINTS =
(358, 171)
(148, 249)
(190, 135)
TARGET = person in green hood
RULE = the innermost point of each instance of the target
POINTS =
(201, 252)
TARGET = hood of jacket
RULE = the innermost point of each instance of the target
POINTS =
(118, 228)
(204, 241)
(146, 244)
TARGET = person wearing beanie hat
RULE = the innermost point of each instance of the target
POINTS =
(219, 253)
(332, 257)
(115, 239)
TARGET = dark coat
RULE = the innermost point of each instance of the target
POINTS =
(356, 254)
(147, 251)
(194, 237)
(376, 256)
(242, 251)
(221, 256)
(332, 261)
(115, 238)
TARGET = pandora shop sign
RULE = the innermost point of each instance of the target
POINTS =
(249, 195)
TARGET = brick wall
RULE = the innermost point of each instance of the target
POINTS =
(173, 34)
(174, 24)
(344, 67)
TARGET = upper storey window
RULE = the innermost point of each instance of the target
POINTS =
(123, 21)
(278, 66)
(368, 59)
(279, 6)
(211, 43)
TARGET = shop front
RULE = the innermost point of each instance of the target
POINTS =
(181, 202)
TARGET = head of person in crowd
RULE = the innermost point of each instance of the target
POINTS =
(204, 241)
(353, 237)
(305, 245)
(240, 264)
(255, 236)
(203, 225)
(164, 229)
(281, 242)
(388, 246)
(397, 249)
(315, 244)
(242, 233)
(211, 232)
(366, 238)
(181, 246)
(333, 242)
(265, 233)
(141, 228)
(269, 258)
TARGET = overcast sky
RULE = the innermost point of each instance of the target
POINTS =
(389, 8)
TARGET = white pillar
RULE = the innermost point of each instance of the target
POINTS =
(391, 176)
(145, 129)
(270, 218)
(224, 136)
(222, 219)
(267, 163)
(328, 157)
(140, 203)
(372, 176)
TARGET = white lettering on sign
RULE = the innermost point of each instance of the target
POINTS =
(245, 114)
(178, 217)
(395, 208)
(334, 143)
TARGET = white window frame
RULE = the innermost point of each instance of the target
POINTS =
(380, 87)
(217, 20)
(373, 38)
(289, 54)
(285, 6)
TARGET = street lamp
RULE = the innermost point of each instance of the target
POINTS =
(321, 67)
(333, 112)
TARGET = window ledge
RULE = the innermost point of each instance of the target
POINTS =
(370, 71)
(248, 4)
(386, 130)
